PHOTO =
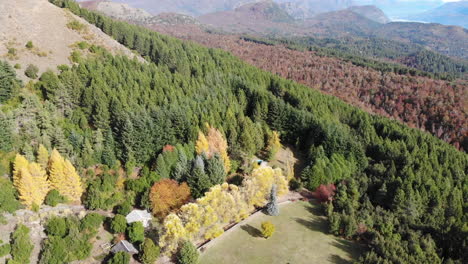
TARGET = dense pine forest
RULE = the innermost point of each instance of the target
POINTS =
(400, 191)
(416, 101)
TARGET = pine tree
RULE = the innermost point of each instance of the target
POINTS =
(63, 177)
(272, 206)
(42, 156)
(215, 170)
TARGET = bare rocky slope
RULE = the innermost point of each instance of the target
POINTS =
(45, 25)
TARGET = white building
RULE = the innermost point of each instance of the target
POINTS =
(139, 216)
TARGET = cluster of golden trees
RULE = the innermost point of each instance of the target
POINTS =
(213, 143)
(222, 205)
(34, 180)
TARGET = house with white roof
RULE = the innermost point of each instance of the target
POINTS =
(139, 216)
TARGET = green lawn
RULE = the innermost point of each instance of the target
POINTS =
(300, 237)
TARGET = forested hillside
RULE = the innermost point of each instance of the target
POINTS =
(399, 190)
(413, 100)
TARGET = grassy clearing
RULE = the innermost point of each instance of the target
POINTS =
(300, 237)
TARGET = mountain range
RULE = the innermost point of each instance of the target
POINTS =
(453, 13)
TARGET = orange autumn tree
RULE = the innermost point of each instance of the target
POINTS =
(167, 195)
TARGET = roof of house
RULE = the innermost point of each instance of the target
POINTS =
(138, 215)
(124, 246)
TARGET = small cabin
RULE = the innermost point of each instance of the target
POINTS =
(124, 246)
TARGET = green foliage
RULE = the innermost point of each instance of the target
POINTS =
(295, 184)
(136, 232)
(75, 25)
(119, 258)
(118, 224)
(75, 56)
(53, 198)
(149, 252)
(8, 82)
(31, 71)
(5, 250)
(74, 246)
(91, 221)
(56, 226)
(8, 201)
(29, 45)
(125, 208)
(17, 66)
(188, 254)
(21, 246)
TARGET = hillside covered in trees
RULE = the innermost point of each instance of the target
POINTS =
(137, 133)
(415, 100)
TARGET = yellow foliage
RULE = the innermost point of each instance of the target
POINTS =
(191, 215)
(217, 144)
(202, 144)
(173, 233)
(267, 229)
(33, 185)
(214, 232)
(63, 177)
(20, 163)
(42, 156)
(273, 144)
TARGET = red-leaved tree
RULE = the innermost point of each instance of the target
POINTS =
(324, 193)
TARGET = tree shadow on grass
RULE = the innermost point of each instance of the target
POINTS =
(315, 208)
(338, 260)
(353, 249)
(251, 230)
(318, 225)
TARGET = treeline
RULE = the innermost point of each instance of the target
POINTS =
(108, 109)
(378, 54)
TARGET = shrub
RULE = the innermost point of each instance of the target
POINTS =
(188, 254)
(31, 71)
(82, 45)
(29, 45)
(91, 221)
(267, 229)
(75, 56)
(149, 252)
(56, 226)
(75, 25)
(119, 224)
(136, 232)
(17, 66)
(21, 246)
(295, 185)
(53, 198)
(5, 250)
(12, 51)
(125, 208)
(119, 258)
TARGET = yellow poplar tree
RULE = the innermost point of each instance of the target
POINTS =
(202, 144)
(20, 163)
(42, 156)
(273, 145)
(33, 185)
(63, 177)
(191, 215)
(173, 233)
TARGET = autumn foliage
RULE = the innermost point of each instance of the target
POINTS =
(167, 195)
(324, 193)
(213, 143)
